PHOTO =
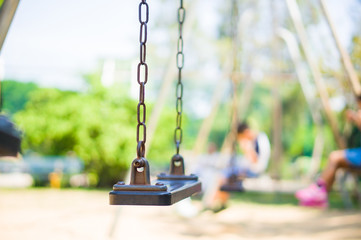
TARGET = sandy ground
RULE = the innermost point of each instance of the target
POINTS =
(73, 214)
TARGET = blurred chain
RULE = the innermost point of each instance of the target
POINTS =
(178, 132)
(142, 78)
(234, 78)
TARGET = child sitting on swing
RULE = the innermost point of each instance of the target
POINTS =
(256, 153)
(316, 195)
(256, 149)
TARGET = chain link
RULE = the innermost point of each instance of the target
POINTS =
(178, 132)
(142, 78)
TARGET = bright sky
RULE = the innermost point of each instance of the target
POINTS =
(54, 42)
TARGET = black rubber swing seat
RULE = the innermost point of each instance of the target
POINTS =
(166, 190)
(234, 184)
(10, 138)
(163, 193)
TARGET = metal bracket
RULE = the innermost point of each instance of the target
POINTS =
(139, 174)
(177, 165)
(177, 170)
(167, 190)
(139, 178)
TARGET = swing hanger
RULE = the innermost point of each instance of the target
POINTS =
(234, 182)
(177, 162)
(168, 189)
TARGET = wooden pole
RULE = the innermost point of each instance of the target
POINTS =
(320, 84)
(277, 102)
(346, 60)
(306, 86)
(7, 12)
(310, 96)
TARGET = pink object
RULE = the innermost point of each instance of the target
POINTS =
(313, 196)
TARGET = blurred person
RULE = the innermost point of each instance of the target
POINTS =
(316, 195)
(256, 150)
(209, 169)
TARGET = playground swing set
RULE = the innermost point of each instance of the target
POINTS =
(174, 186)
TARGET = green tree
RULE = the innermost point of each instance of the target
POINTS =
(98, 125)
(15, 95)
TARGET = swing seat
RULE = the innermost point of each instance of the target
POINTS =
(235, 187)
(10, 138)
(167, 190)
(234, 184)
(163, 193)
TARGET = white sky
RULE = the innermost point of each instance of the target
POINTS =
(53, 42)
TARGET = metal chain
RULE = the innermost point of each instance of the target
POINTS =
(178, 132)
(234, 79)
(142, 78)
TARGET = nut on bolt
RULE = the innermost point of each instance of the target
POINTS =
(139, 163)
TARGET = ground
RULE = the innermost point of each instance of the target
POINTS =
(80, 214)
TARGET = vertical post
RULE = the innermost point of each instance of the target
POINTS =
(320, 84)
(346, 60)
(277, 103)
(310, 96)
(7, 12)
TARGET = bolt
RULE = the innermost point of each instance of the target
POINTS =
(120, 183)
(159, 184)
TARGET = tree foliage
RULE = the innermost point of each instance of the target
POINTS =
(98, 125)
(15, 95)
(356, 53)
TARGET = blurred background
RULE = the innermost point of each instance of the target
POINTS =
(68, 81)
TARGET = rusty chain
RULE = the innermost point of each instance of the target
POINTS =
(178, 132)
(142, 78)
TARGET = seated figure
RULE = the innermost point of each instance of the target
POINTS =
(256, 149)
(316, 195)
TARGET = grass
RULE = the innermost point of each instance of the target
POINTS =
(261, 198)
(281, 199)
